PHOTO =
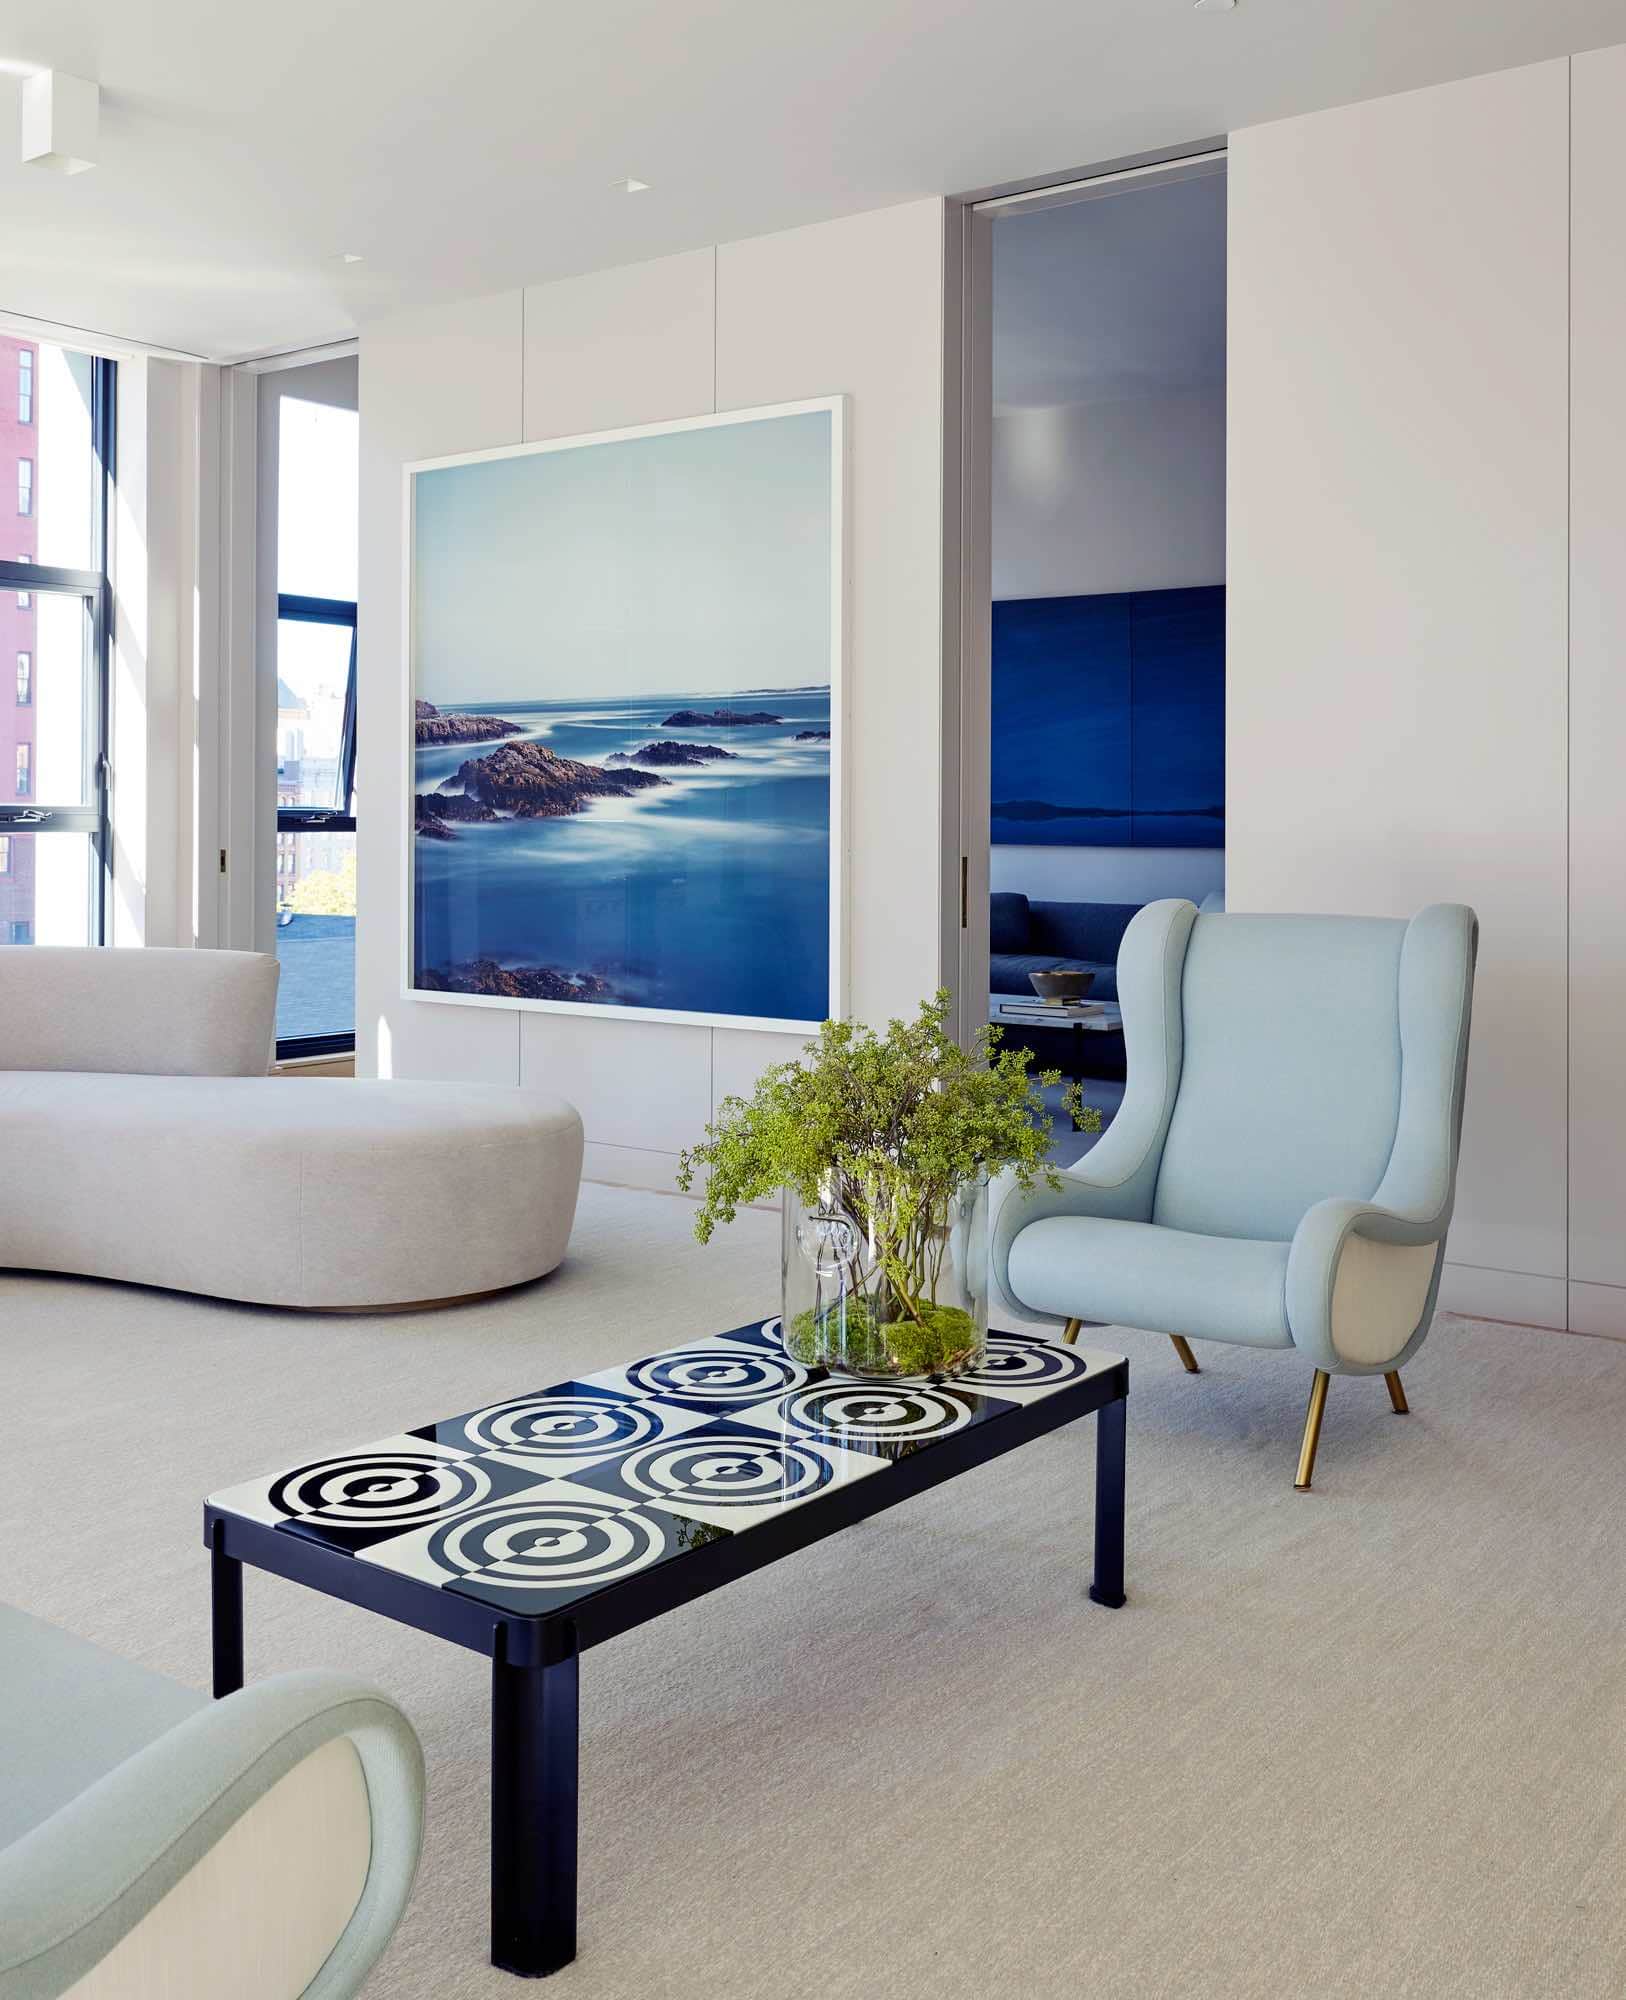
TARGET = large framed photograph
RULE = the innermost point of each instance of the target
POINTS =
(626, 666)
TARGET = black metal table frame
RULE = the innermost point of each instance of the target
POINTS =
(535, 1660)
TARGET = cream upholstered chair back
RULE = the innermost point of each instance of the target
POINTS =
(1319, 1053)
(152, 1012)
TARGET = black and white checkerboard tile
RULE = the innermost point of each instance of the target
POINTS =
(542, 1499)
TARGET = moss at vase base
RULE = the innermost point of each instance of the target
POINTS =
(804, 1338)
(943, 1340)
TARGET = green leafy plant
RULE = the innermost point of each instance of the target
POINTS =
(884, 1129)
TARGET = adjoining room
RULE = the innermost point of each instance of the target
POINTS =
(809, 1001)
(1107, 681)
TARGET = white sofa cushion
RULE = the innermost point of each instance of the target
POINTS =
(338, 1193)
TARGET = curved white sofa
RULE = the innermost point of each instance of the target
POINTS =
(159, 1151)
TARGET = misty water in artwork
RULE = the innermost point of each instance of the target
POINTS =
(623, 697)
(701, 887)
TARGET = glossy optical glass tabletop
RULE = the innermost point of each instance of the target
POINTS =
(533, 1504)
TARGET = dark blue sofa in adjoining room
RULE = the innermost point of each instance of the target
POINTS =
(1026, 936)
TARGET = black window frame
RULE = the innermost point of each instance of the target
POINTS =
(295, 609)
(94, 586)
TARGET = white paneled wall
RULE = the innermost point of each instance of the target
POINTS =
(1398, 559)
(443, 380)
(1598, 700)
(853, 307)
(1428, 605)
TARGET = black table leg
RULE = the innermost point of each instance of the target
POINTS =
(226, 1617)
(1110, 1432)
(533, 1816)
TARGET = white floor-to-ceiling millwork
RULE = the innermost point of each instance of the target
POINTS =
(1365, 1742)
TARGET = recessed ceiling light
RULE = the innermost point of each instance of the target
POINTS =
(349, 256)
(1214, 6)
(627, 185)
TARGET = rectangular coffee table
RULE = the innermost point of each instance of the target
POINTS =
(546, 1524)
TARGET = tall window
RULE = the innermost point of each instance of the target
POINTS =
(316, 724)
(55, 615)
(5, 853)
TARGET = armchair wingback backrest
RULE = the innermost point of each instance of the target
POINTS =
(1310, 1046)
(154, 1012)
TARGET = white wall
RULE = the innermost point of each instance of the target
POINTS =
(1095, 497)
(154, 708)
(1110, 496)
(1398, 493)
(1597, 741)
(852, 307)
(1107, 874)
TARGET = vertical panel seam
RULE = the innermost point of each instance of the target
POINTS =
(519, 1012)
(1569, 710)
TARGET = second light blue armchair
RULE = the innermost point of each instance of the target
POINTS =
(156, 1845)
(1282, 1170)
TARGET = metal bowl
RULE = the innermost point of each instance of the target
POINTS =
(1062, 985)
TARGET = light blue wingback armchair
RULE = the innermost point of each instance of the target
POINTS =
(156, 1845)
(1282, 1169)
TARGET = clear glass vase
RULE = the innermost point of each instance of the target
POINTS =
(866, 1299)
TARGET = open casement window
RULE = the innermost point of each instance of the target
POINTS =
(314, 445)
(316, 824)
(56, 613)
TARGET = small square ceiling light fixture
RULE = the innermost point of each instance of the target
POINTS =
(628, 185)
(60, 116)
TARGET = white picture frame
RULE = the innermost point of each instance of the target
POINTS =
(835, 407)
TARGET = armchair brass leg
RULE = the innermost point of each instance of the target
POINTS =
(1069, 1332)
(1188, 1360)
(1312, 1430)
(1397, 1394)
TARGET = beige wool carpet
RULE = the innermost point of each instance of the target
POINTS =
(1366, 1742)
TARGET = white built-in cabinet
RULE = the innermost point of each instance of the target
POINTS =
(1427, 567)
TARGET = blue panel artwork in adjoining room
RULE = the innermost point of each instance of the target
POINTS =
(1109, 720)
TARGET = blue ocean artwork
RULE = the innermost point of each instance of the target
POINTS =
(623, 724)
(1109, 720)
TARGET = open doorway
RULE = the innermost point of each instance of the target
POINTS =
(1103, 463)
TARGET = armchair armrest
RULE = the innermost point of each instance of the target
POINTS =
(1361, 1280)
(74, 1888)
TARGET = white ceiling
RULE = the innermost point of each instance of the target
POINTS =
(468, 148)
(1118, 296)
